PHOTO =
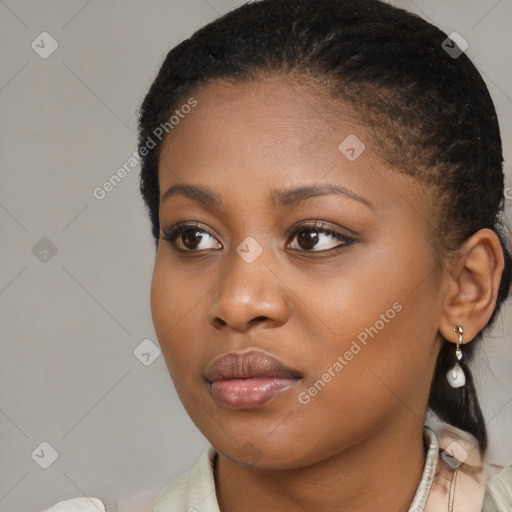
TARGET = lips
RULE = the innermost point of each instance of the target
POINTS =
(248, 365)
(248, 380)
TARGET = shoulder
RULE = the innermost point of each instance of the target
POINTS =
(194, 490)
(498, 495)
(463, 475)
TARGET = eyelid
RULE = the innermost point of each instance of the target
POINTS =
(322, 225)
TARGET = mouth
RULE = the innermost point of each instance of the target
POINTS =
(248, 380)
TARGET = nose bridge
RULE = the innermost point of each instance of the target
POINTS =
(249, 289)
(248, 272)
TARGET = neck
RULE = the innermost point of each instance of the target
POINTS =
(382, 472)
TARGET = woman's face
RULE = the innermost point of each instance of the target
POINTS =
(302, 247)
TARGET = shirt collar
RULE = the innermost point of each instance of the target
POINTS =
(427, 478)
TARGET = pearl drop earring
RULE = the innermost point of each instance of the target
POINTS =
(455, 375)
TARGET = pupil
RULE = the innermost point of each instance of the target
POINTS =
(191, 239)
(308, 239)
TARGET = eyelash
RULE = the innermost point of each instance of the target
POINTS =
(171, 233)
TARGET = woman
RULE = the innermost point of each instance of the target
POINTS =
(325, 185)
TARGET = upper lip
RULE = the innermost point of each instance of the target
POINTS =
(248, 365)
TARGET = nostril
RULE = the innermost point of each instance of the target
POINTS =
(259, 319)
(219, 322)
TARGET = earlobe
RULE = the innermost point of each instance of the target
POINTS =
(474, 283)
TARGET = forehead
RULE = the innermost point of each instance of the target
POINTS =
(271, 123)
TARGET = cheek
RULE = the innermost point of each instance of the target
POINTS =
(384, 316)
(178, 299)
(171, 302)
(382, 311)
(173, 305)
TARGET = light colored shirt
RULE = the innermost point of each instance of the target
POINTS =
(445, 483)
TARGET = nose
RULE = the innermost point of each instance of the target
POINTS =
(249, 294)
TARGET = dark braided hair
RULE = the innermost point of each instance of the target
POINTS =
(430, 116)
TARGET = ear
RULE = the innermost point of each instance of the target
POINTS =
(472, 283)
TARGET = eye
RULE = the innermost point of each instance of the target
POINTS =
(318, 238)
(189, 238)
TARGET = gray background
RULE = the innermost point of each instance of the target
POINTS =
(71, 321)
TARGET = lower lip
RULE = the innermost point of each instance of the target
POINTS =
(248, 393)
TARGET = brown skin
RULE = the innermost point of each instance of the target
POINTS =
(357, 445)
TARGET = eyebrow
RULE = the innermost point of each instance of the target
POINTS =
(292, 197)
(284, 197)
